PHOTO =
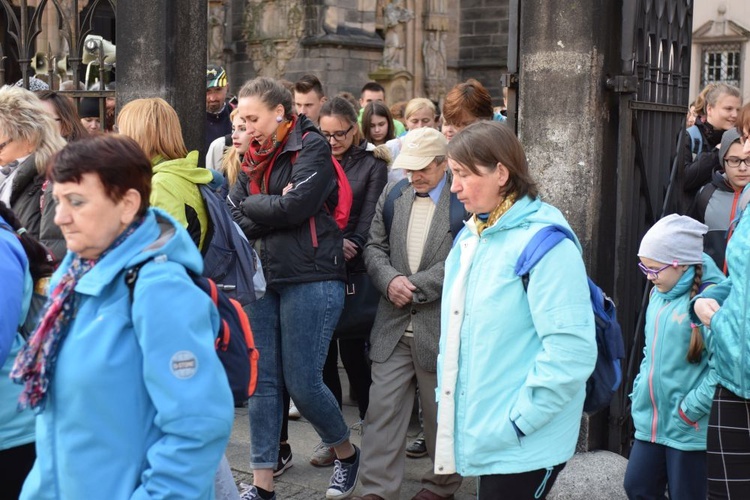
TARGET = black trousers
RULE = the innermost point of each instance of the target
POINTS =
(728, 446)
(15, 464)
(357, 368)
(532, 485)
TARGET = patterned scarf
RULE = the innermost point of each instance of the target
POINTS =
(483, 223)
(35, 363)
(260, 157)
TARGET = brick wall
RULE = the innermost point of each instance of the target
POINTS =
(483, 42)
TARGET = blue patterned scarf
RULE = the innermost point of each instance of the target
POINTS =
(35, 363)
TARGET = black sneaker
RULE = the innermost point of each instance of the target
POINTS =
(417, 449)
(284, 461)
(344, 478)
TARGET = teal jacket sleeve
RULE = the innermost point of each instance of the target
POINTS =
(185, 381)
(718, 292)
(13, 265)
(697, 403)
(560, 305)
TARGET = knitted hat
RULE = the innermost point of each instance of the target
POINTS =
(35, 84)
(674, 238)
(419, 147)
(727, 139)
(88, 107)
(215, 76)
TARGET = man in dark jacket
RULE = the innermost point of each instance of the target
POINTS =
(218, 109)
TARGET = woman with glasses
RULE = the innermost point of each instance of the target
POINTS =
(367, 171)
(519, 353)
(673, 390)
(29, 137)
(717, 203)
(283, 201)
(724, 310)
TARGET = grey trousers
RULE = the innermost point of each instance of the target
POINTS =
(387, 421)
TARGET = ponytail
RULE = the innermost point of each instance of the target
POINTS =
(40, 261)
(695, 351)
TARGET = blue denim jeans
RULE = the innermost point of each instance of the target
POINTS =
(292, 326)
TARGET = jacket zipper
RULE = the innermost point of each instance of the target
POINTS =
(655, 418)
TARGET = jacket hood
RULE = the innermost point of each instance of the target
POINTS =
(159, 237)
(524, 212)
(719, 180)
(186, 168)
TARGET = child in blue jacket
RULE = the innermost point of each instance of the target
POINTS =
(673, 391)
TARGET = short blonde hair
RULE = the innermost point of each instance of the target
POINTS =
(418, 104)
(154, 125)
(23, 117)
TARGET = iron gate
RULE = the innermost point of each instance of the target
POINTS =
(75, 20)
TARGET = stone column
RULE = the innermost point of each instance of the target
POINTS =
(166, 57)
(567, 50)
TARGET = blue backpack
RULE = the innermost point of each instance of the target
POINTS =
(607, 375)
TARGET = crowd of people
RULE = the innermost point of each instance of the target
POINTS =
(388, 237)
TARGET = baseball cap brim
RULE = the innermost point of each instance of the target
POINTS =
(409, 162)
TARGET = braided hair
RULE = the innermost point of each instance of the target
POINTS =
(695, 351)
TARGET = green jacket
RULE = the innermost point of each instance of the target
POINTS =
(174, 188)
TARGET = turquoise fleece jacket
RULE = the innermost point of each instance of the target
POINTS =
(511, 356)
(730, 326)
(667, 382)
(16, 428)
(139, 404)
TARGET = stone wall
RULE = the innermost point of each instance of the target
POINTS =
(483, 42)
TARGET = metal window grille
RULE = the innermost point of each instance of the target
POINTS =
(721, 63)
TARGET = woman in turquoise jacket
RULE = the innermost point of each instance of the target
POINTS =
(23, 262)
(673, 390)
(724, 309)
(513, 361)
(132, 401)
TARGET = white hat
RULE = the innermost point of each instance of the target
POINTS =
(419, 147)
(674, 238)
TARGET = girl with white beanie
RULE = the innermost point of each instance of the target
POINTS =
(672, 393)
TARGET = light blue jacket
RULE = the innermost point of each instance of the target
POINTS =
(16, 428)
(667, 382)
(730, 326)
(139, 405)
(511, 356)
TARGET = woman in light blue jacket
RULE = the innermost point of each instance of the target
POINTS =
(724, 308)
(131, 398)
(23, 262)
(513, 360)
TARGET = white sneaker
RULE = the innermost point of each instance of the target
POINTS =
(322, 456)
(294, 413)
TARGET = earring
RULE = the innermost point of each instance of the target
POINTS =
(279, 119)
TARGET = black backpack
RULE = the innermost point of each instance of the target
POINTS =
(234, 341)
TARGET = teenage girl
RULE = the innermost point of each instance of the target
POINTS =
(673, 391)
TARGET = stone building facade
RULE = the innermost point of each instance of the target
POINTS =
(413, 47)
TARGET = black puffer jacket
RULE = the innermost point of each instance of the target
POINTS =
(367, 172)
(290, 252)
(25, 195)
(697, 166)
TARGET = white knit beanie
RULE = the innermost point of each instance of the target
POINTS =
(674, 238)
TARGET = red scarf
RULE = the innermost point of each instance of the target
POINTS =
(260, 158)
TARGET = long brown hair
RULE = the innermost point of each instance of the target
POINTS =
(695, 351)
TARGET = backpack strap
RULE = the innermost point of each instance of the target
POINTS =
(542, 242)
(457, 213)
(390, 200)
(696, 139)
(701, 201)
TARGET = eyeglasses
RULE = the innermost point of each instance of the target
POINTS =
(3, 144)
(338, 135)
(734, 162)
(654, 273)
